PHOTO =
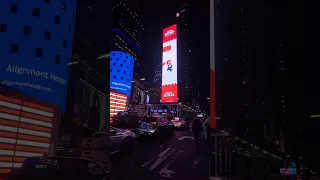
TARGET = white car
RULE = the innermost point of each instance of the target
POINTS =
(178, 122)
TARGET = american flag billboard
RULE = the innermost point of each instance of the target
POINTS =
(27, 128)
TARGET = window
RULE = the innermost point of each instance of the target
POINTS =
(14, 48)
(13, 8)
(47, 35)
(57, 60)
(64, 43)
(57, 19)
(36, 12)
(3, 27)
(114, 76)
(27, 30)
(118, 70)
(121, 65)
(64, 7)
(122, 78)
(47, 1)
(39, 52)
(69, 28)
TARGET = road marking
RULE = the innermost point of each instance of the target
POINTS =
(164, 152)
(146, 163)
(173, 159)
(195, 162)
(154, 158)
(185, 137)
(160, 160)
(165, 172)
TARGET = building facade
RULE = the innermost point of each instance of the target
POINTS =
(183, 21)
(126, 29)
(36, 39)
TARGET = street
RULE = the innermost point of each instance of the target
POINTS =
(172, 157)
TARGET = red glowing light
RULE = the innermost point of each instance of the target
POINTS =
(177, 14)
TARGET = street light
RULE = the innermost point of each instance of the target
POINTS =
(142, 79)
(208, 98)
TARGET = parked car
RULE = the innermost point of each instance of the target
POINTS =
(59, 167)
(120, 139)
(178, 122)
(155, 125)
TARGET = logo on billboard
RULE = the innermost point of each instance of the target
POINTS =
(169, 33)
(168, 94)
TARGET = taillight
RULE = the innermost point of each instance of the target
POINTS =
(139, 120)
(153, 123)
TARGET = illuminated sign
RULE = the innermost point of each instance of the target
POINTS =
(30, 62)
(121, 72)
(169, 88)
(118, 103)
(168, 33)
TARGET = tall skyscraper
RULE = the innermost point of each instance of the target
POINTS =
(248, 91)
(126, 29)
(89, 73)
(183, 25)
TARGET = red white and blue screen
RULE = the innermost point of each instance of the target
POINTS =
(169, 88)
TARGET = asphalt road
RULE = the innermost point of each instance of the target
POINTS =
(173, 157)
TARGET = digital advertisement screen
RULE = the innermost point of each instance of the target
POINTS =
(169, 87)
(118, 103)
(34, 64)
(121, 72)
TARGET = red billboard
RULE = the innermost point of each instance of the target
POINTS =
(169, 87)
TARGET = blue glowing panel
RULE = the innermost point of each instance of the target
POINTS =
(125, 37)
(121, 72)
(35, 45)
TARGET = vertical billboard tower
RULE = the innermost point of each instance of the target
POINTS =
(212, 69)
(169, 87)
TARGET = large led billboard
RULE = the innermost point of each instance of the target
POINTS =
(118, 103)
(169, 88)
(35, 47)
(121, 72)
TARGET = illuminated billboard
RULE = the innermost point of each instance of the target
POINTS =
(121, 72)
(169, 87)
(35, 46)
(118, 103)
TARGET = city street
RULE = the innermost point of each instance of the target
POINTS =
(172, 157)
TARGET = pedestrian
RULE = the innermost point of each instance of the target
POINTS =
(197, 128)
(188, 123)
(206, 127)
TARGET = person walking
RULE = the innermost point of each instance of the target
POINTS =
(206, 127)
(197, 128)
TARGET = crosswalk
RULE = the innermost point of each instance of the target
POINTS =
(175, 159)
